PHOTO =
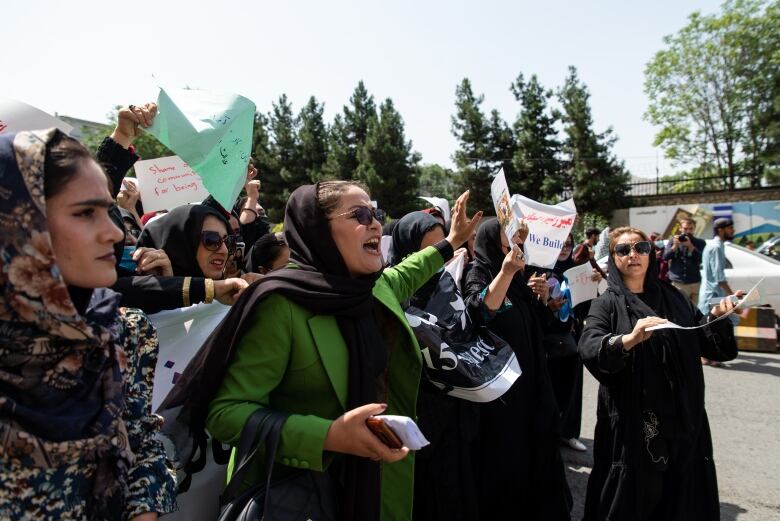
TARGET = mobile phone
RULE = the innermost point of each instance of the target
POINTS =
(716, 301)
(383, 431)
(127, 263)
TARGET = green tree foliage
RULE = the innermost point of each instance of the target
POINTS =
(387, 164)
(599, 181)
(348, 134)
(272, 190)
(437, 181)
(146, 145)
(502, 146)
(312, 141)
(284, 143)
(538, 170)
(474, 156)
(714, 91)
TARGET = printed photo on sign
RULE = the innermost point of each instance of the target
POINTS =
(168, 182)
(502, 202)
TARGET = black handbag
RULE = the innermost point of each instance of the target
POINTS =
(304, 495)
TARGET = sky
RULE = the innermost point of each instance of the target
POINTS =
(81, 58)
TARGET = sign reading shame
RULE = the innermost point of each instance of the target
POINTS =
(548, 227)
(168, 182)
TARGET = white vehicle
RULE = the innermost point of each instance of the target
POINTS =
(744, 269)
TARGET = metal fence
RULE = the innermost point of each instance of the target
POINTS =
(693, 185)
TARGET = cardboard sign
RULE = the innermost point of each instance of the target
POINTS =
(212, 132)
(502, 202)
(548, 227)
(168, 182)
(16, 116)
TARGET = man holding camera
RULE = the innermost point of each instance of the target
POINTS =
(683, 253)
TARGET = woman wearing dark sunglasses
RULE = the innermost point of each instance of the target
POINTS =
(652, 446)
(325, 339)
(196, 240)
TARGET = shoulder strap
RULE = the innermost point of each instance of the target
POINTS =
(264, 426)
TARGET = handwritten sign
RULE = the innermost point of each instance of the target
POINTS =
(579, 280)
(212, 132)
(499, 191)
(548, 227)
(16, 116)
(168, 182)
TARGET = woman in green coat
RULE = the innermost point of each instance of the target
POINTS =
(325, 339)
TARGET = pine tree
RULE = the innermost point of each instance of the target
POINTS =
(284, 146)
(538, 173)
(502, 147)
(312, 140)
(473, 157)
(272, 188)
(599, 181)
(348, 134)
(387, 164)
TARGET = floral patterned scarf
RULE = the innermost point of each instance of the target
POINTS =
(61, 387)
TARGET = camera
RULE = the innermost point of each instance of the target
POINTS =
(683, 237)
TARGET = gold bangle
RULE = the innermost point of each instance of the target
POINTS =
(209, 291)
(185, 292)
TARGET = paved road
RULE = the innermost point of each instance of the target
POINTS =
(743, 404)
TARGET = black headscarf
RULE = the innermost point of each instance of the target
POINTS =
(321, 283)
(489, 256)
(178, 233)
(562, 265)
(409, 233)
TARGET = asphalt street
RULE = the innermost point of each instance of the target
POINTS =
(743, 404)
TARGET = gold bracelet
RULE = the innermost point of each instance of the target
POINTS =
(185, 292)
(209, 291)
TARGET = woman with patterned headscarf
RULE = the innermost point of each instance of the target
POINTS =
(76, 372)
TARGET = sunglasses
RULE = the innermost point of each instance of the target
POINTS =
(212, 241)
(641, 248)
(365, 215)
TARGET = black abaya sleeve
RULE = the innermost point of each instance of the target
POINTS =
(597, 355)
(717, 341)
(153, 294)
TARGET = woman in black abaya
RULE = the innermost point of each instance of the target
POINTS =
(521, 471)
(447, 467)
(652, 447)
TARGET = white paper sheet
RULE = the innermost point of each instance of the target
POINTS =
(752, 298)
(408, 431)
(581, 285)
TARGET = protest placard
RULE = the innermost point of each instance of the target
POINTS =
(499, 191)
(16, 116)
(168, 182)
(582, 287)
(548, 227)
(212, 132)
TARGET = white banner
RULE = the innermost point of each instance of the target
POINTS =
(16, 116)
(168, 182)
(499, 191)
(181, 332)
(548, 227)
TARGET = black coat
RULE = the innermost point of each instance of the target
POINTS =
(642, 469)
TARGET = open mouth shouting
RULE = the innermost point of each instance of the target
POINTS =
(372, 246)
